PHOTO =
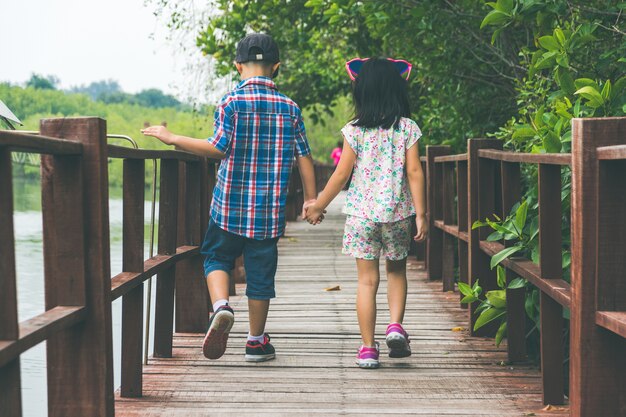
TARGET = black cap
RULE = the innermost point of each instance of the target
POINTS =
(267, 50)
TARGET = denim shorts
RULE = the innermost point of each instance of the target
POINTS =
(260, 259)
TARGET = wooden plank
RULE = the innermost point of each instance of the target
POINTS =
(24, 142)
(481, 187)
(434, 240)
(515, 298)
(597, 365)
(614, 321)
(116, 151)
(451, 158)
(10, 394)
(168, 214)
(557, 289)
(85, 351)
(192, 301)
(132, 261)
(38, 329)
(531, 158)
(124, 282)
(615, 152)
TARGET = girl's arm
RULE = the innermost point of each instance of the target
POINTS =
(337, 181)
(415, 175)
(196, 146)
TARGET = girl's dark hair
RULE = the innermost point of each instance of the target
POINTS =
(380, 95)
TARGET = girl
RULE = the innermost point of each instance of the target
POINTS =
(387, 189)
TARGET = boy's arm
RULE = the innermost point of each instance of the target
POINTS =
(307, 174)
(197, 146)
(415, 176)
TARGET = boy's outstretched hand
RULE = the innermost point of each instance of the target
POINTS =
(159, 132)
(422, 228)
(313, 214)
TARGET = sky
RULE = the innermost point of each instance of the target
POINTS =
(80, 41)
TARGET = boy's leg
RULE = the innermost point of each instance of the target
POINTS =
(220, 249)
(369, 277)
(396, 289)
(260, 258)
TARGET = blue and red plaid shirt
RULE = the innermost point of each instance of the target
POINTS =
(261, 131)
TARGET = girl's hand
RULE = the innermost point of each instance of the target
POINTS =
(422, 228)
(159, 132)
(314, 214)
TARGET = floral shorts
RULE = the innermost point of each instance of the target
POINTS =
(366, 239)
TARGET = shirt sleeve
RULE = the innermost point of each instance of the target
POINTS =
(414, 134)
(302, 144)
(348, 132)
(223, 127)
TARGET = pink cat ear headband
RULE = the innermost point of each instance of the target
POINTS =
(354, 67)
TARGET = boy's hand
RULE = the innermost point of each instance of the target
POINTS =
(159, 132)
(306, 205)
(422, 228)
(314, 214)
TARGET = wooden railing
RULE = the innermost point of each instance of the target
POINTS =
(486, 181)
(79, 288)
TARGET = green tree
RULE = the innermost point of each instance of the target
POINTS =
(41, 82)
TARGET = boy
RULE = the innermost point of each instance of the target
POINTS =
(257, 133)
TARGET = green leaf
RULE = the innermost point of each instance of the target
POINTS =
(501, 333)
(591, 94)
(547, 60)
(494, 17)
(606, 90)
(586, 82)
(549, 43)
(560, 36)
(488, 316)
(465, 289)
(523, 133)
(520, 216)
(468, 299)
(497, 298)
(478, 224)
(565, 80)
(494, 237)
(551, 142)
(501, 275)
(503, 254)
(505, 6)
(516, 283)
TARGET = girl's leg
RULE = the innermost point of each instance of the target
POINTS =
(369, 278)
(396, 289)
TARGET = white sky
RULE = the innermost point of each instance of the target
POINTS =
(81, 41)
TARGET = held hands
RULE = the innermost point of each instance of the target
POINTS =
(161, 133)
(312, 213)
(422, 228)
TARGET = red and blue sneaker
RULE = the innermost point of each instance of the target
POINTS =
(260, 351)
(367, 357)
(397, 341)
(216, 338)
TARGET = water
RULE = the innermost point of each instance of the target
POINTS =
(30, 285)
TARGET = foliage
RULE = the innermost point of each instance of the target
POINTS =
(42, 82)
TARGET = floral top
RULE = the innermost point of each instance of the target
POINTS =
(379, 189)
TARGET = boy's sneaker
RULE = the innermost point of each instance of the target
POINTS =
(221, 322)
(260, 351)
(367, 357)
(397, 341)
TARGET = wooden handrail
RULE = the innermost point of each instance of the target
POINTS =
(24, 142)
(530, 158)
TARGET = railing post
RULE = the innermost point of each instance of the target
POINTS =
(434, 201)
(80, 359)
(551, 312)
(168, 216)
(448, 245)
(596, 355)
(462, 201)
(515, 298)
(191, 293)
(481, 204)
(10, 394)
(132, 261)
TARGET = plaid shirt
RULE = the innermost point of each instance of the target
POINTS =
(261, 131)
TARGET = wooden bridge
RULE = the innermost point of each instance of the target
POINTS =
(453, 371)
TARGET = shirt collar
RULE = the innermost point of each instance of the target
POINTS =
(263, 81)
